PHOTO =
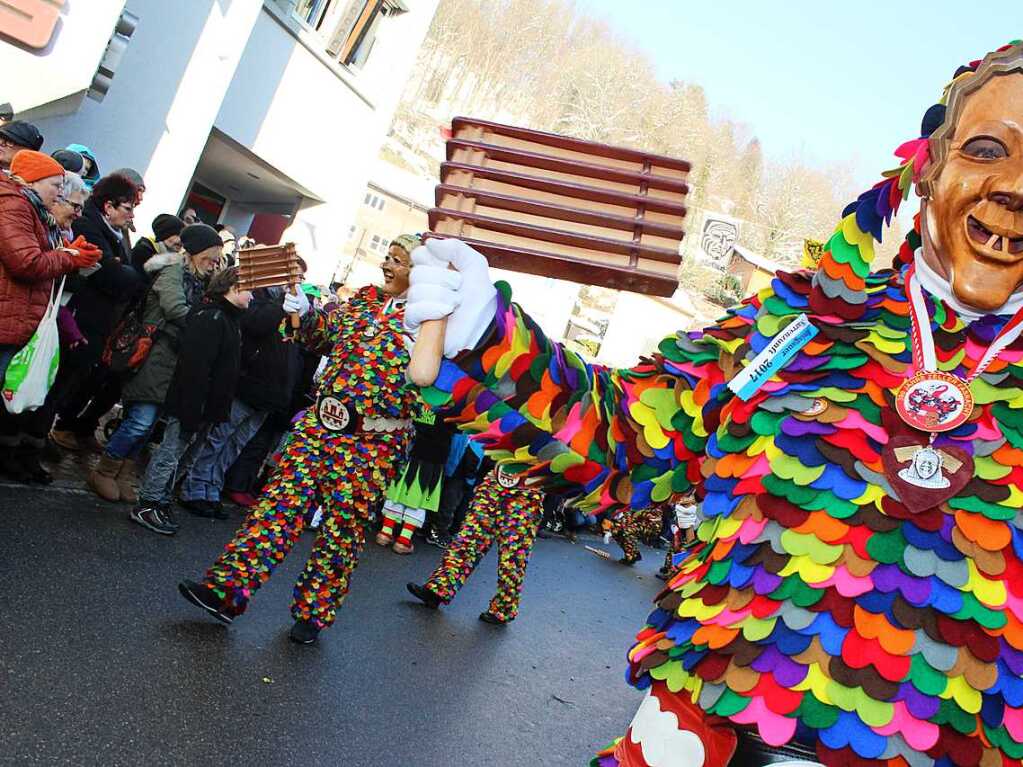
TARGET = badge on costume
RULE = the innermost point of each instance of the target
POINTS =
(933, 401)
(333, 414)
(505, 480)
(773, 357)
(925, 476)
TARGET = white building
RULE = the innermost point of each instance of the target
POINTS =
(262, 114)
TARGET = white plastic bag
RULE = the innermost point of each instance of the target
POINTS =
(32, 369)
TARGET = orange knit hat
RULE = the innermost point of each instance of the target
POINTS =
(31, 166)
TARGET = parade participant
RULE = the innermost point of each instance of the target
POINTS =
(341, 454)
(417, 489)
(506, 510)
(857, 442)
(629, 527)
(683, 517)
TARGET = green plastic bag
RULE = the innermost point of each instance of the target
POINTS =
(32, 369)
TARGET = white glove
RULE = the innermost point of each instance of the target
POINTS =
(466, 297)
(296, 304)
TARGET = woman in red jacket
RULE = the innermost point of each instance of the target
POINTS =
(32, 254)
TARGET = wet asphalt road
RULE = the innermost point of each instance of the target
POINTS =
(103, 663)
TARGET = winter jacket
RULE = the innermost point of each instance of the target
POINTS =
(28, 266)
(167, 306)
(206, 375)
(269, 363)
(101, 297)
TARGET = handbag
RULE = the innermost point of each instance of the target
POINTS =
(131, 341)
(33, 368)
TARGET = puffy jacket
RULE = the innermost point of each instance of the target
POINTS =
(167, 306)
(28, 266)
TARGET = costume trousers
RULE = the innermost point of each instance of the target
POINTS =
(628, 528)
(509, 517)
(344, 474)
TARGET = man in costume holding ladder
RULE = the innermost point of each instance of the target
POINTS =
(340, 455)
(856, 439)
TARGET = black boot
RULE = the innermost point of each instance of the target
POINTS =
(11, 466)
(424, 595)
(36, 472)
(304, 632)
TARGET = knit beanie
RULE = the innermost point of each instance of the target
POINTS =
(165, 225)
(198, 237)
(407, 242)
(70, 160)
(30, 166)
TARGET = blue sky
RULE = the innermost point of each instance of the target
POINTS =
(836, 83)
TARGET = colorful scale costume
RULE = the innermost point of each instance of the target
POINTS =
(629, 527)
(817, 608)
(344, 473)
(508, 516)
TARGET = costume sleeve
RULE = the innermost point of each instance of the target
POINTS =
(614, 438)
(319, 330)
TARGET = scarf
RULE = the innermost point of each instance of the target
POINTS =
(53, 233)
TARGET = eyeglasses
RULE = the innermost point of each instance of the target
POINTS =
(76, 206)
(130, 207)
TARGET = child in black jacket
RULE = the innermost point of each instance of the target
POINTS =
(200, 393)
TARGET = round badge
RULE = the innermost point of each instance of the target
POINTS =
(818, 406)
(506, 480)
(933, 401)
(333, 414)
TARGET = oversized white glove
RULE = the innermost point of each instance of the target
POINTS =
(467, 297)
(296, 304)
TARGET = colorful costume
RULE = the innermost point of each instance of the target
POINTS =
(629, 527)
(508, 515)
(340, 454)
(859, 583)
(417, 489)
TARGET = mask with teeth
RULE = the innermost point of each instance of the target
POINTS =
(972, 223)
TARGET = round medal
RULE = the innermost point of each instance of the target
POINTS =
(934, 401)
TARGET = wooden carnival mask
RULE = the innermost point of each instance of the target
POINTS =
(973, 192)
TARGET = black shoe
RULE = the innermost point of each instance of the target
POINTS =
(219, 512)
(304, 632)
(662, 576)
(544, 533)
(440, 541)
(199, 508)
(151, 517)
(11, 466)
(202, 596)
(631, 560)
(168, 518)
(493, 620)
(424, 595)
(37, 474)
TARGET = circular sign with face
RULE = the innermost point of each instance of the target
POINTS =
(333, 414)
(934, 402)
(506, 480)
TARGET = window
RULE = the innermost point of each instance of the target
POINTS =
(356, 29)
(378, 244)
(373, 201)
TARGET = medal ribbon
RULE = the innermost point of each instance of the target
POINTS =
(924, 357)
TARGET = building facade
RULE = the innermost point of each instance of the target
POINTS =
(261, 114)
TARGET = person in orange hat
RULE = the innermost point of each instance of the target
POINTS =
(32, 254)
